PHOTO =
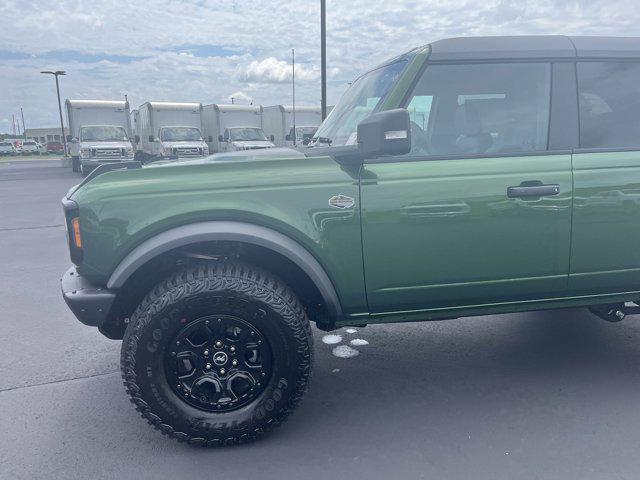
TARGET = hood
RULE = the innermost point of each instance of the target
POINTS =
(184, 144)
(247, 144)
(230, 167)
(120, 144)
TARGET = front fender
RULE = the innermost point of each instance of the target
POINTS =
(229, 231)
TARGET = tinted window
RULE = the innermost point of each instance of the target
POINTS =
(609, 95)
(481, 109)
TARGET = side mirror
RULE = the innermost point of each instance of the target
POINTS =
(385, 133)
(272, 138)
(136, 138)
(220, 138)
(151, 138)
(306, 141)
(288, 137)
(210, 138)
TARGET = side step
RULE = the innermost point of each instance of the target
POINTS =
(615, 312)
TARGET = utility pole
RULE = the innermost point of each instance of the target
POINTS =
(293, 92)
(24, 128)
(323, 56)
(13, 124)
(64, 138)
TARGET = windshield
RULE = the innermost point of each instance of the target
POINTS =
(246, 134)
(305, 132)
(364, 95)
(29, 143)
(180, 134)
(106, 133)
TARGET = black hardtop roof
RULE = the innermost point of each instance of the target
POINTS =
(534, 46)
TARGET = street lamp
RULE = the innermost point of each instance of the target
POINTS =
(56, 74)
(323, 58)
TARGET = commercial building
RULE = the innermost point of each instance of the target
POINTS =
(43, 135)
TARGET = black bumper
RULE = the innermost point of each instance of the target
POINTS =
(89, 303)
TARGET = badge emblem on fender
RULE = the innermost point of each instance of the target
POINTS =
(341, 201)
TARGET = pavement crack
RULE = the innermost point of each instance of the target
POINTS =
(62, 380)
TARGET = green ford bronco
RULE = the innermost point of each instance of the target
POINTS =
(471, 176)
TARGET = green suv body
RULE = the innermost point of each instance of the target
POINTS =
(466, 177)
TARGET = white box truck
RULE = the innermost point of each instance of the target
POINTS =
(278, 124)
(99, 132)
(233, 127)
(170, 130)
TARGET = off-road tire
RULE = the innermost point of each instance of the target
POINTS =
(232, 288)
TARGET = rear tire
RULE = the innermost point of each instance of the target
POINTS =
(174, 395)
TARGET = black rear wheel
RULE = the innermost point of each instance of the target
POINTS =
(217, 354)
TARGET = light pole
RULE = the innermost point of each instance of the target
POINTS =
(323, 56)
(56, 74)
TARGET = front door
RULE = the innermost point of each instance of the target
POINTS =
(479, 211)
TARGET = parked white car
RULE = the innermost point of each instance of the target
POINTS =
(7, 148)
(30, 147)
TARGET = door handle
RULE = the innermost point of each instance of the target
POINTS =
(533, 190)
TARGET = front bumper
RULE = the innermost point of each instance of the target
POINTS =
(89, 303)
(96, 162)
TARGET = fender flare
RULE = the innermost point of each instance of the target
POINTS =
(229, 231)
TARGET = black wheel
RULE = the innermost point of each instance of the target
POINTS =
(217, 354)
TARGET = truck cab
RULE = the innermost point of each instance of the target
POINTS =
(98, 144)
(243, 138)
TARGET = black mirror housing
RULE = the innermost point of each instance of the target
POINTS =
(385, 133)
(287, 137)
(136, 138)
(272, 138)
(220, 138)
(151, 138)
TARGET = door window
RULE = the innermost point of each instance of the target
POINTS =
(481, 109)
(609, 96)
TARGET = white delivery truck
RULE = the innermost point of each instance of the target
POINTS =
(169, 130)
(99, 132)
(278, 124)
(233, 127)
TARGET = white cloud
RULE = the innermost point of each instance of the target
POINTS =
(259, 35)
(272, 70)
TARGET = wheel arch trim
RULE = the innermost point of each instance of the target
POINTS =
(229, 231)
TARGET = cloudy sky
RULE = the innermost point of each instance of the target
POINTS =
(210, 50)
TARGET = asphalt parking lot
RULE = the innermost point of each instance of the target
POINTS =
(550, 395)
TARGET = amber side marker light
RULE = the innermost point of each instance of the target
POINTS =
(75, 231)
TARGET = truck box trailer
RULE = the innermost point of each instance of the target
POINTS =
(278, 124)
(234, 127)
(170, 130)
(99, 132)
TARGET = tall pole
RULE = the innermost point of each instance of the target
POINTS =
(323, 56)
(64, 139)
(24, 128)
(293, 92)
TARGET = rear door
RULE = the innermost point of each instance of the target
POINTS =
(480, 210)
(606, 219)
